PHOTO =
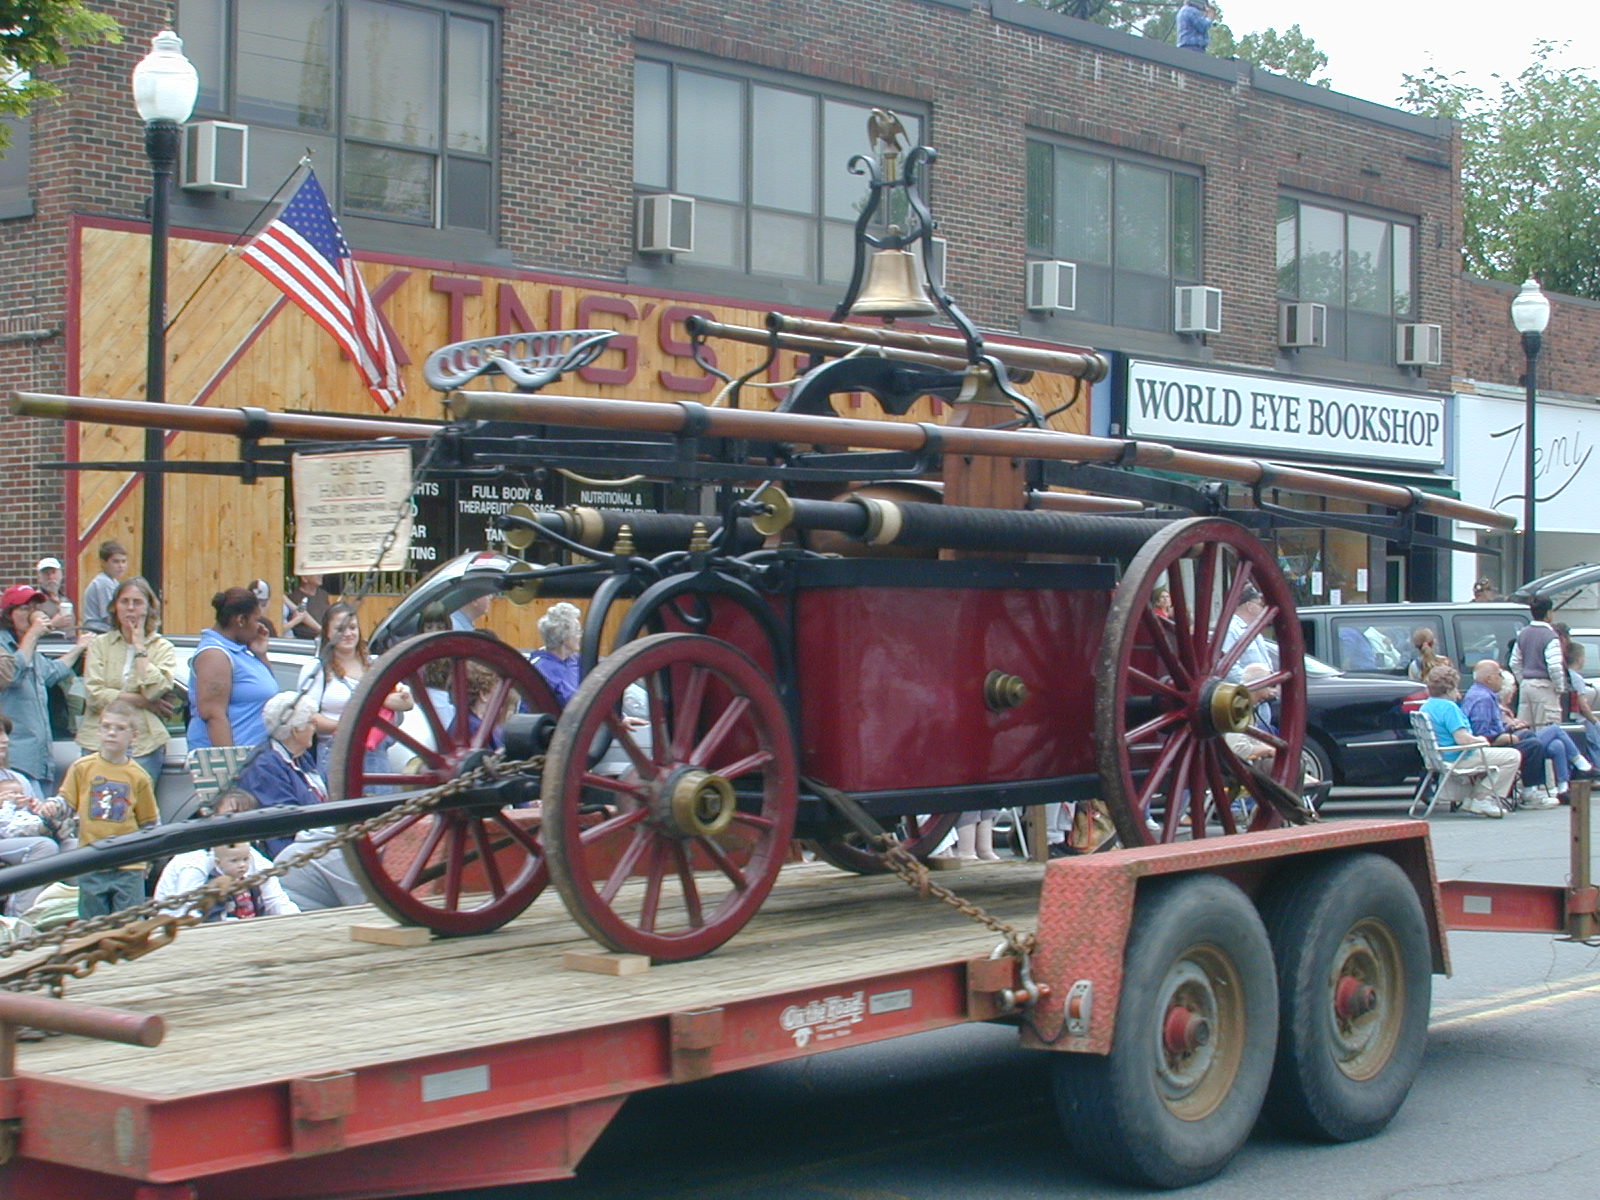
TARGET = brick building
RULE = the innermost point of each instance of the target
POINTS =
(487, 162)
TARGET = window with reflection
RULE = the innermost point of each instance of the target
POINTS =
(1131, 226)
(1361, 265)
(15, 200)
(765, 160)
(395, 100)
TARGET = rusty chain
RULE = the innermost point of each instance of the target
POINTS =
(137, 931)
(908, 867)
(915, 873)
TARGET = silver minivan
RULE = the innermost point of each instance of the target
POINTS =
(1375, 639)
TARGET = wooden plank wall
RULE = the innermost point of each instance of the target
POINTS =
(232, 341)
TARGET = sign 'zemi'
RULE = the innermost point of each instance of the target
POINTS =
(1299, 417)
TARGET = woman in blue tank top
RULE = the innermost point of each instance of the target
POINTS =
(228, 684)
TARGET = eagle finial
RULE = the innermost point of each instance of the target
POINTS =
(885, 132)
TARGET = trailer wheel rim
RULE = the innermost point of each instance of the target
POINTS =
(1200, 1037)
(1366, 997)
(672, 857)
(1163, 702)
(465, 870)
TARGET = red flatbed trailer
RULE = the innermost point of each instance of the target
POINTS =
(299, 1062)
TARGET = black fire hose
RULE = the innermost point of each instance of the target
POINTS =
(274, 821)
(1007, 530)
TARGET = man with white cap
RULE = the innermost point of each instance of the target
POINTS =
(58, 608)
(1260, 650)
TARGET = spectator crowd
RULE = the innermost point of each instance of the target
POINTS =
(110, 657)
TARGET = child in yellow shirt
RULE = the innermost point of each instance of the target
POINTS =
(111, 794)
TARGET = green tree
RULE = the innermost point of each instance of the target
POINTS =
(1530, 171)
(1291, 54)
(39, 33)
(1130, 16)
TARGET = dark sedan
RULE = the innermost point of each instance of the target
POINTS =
(1358, 726)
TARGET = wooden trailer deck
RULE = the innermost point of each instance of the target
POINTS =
(288, 988)
(300, 1062)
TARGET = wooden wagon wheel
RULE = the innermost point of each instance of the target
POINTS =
(919, 836)
(1163, 696)
(674, 855)
(465, 870)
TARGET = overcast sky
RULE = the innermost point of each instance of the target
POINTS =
(1370, 44)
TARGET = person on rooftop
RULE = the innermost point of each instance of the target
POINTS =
(1195, 19)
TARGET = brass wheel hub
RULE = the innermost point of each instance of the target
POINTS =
(698, 803)
(1226, 707)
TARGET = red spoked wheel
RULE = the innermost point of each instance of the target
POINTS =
(920, 836)
(674, 855)
(1168, 691)
(463, 870)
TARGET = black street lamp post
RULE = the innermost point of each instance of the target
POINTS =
(1530, 313)
(164, 89)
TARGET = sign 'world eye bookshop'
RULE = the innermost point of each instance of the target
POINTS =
(1275, 414)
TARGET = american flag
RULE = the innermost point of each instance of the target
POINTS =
(304, 254)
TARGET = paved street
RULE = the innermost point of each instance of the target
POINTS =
(1504, 1108)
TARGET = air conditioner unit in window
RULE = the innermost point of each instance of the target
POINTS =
(937, 250)
(666, 224)
(1302, 325)
(1197, 310)
(215, 156)
(1419, 345)
(1052, 286)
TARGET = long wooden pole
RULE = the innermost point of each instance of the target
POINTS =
(658, 417)
(237, 422)
(1087, 365)
(827, 347)
(650, 416)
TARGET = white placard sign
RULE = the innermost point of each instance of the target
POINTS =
(1273, 414)
(1566, 471)
(346, 504)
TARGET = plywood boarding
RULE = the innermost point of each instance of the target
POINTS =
(290, 996)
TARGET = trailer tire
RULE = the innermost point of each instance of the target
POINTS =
(1192, 1051)
(1354, 988)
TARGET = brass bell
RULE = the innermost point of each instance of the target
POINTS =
(893, 287)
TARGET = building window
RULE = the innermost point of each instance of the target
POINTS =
(766, 162)
(1322, 565)
(1131, 226)
(394, 100)
(14, 198)
(1361, 265)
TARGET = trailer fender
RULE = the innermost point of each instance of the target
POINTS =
(1086, 910)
